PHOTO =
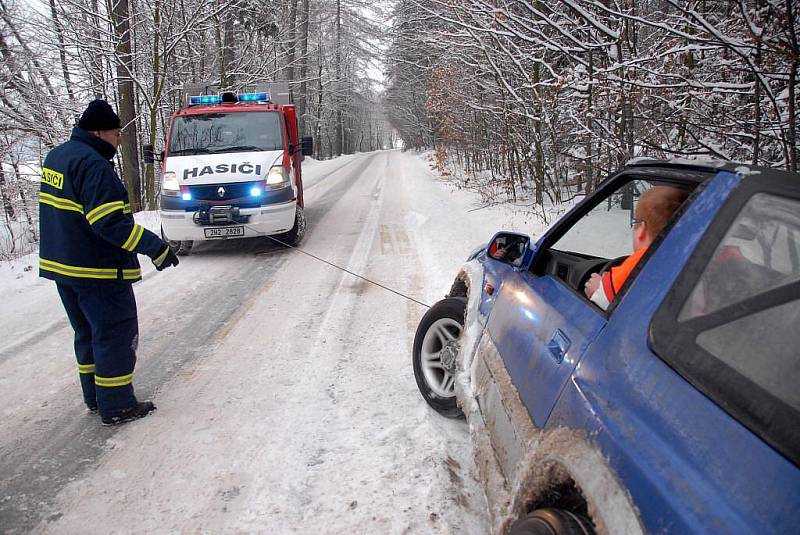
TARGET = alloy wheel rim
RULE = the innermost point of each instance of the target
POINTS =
(441, 336)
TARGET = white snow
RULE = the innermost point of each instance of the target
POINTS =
(299, 410)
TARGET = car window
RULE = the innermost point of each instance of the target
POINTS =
(758, 253)
(605, 231)
(772, 334)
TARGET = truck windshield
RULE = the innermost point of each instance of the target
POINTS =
(226, 132)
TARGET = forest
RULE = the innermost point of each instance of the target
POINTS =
(542, 100)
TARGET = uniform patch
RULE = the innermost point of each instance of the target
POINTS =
(52, 178)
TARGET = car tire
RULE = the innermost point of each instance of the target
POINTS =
(295, 235)
(438, 331)
(180, 248)
(553, 522)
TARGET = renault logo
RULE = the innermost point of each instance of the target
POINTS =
(221, 192)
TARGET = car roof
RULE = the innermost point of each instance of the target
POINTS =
(700, 170)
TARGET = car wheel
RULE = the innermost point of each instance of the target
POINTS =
(434, 354)
(295, 235)
(180, 248)
(553, 522)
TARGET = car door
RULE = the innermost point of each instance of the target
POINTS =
(542, 322)
(540, 328)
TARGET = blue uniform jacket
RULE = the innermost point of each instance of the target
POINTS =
(87, 231)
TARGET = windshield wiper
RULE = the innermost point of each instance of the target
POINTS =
(238, 148)
(196, 150)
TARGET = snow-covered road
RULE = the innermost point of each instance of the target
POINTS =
(286, 399)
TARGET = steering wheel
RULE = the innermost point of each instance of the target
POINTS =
(597, 265)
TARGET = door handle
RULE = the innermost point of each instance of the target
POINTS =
(559, 345)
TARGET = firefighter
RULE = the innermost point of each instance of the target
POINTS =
(88, 246)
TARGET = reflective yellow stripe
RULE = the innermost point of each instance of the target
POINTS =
(122, 380)
(133, 240)
(103, 210)
(161, 257)
(85, 368)
(127, 208)
(129, 274)
(60, 202)
(77, 271)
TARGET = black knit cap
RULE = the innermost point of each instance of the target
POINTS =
(99, 115)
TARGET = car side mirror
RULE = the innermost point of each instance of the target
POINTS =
(308, 146)
(509, 248)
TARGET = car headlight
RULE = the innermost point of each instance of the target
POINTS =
(170, 185)
(277, 177)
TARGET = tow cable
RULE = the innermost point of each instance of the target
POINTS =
(340, 268)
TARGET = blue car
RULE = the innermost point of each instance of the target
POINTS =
(674, 407)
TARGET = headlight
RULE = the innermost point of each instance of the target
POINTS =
(277, 177)
(170, 184)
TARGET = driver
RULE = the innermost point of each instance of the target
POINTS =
(654, 210)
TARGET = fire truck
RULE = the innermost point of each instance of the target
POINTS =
(232, 169)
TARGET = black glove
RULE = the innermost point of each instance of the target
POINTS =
(165, 258)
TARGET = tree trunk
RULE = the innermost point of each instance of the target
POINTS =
(96, 73)
(158, 84)
(8, 207)
(792, 108)
(289, 71)
(23, 197)
(229, 51)
(338, 86)
(61, 49)
(303, 103)
(118, 9)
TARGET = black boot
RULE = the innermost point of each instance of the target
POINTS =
(140, 410)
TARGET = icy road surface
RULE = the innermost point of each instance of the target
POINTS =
(285, 393)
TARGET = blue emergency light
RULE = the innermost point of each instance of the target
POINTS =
(205, 99)
(254, 97)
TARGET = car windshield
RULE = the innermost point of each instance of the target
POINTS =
(226, 132)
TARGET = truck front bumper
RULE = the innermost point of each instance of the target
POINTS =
(179, 225)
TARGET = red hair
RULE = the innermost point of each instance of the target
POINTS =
(656, 206)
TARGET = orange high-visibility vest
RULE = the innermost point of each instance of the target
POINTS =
(614, 278)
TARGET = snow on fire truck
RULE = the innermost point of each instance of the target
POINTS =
(231, 169)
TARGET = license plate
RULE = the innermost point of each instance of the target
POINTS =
(224, 232)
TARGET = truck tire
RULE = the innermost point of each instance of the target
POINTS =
(180, 248)
(295, 235)
(433, 355)
(553, 522)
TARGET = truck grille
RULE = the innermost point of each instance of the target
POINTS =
(210, 192)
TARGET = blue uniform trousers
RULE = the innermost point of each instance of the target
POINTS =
(106, 334)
